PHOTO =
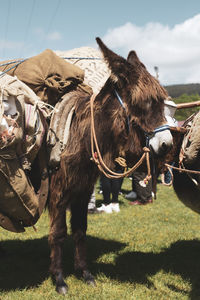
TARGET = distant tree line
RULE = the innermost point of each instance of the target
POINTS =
(183, 93)
(180, 89)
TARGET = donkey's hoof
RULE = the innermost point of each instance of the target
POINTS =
(62, 289)
(89, 279)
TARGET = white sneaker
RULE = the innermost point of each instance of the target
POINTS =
(115, 207)
(105, 208)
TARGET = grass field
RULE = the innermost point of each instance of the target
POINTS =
(141, 253)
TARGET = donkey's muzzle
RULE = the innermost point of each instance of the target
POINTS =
(161, 142)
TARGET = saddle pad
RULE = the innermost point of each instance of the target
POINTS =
(59, 129)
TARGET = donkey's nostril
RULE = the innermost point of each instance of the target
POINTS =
(164, 146)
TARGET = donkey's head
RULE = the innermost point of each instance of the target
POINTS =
(142, 96)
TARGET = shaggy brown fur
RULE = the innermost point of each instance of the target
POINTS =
(73, 183)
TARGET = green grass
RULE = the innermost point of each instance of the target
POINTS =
(141, 253)
(183, 114)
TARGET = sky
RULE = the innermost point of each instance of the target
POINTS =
(165, 34)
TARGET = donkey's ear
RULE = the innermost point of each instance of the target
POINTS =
(120, 68)
(134, 60)
(108, 54)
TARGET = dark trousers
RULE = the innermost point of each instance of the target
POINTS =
(143, 192)
(110, 187)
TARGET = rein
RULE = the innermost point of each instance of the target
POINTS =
(182, 170)
(170, 167)
(127, 117)
(97, 157)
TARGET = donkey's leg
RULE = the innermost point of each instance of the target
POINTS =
(79, 226)
(57, 235)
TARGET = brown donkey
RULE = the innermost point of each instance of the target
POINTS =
(128, 113)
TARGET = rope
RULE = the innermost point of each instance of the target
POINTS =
(1, 105)
(97, 157)
(19, 62)
(81, 58)
(163, 177)
(22, 60)
(11, 62)
(121, 161)
(182, 170)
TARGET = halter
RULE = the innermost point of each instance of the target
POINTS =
(127, 117)
(150, 135)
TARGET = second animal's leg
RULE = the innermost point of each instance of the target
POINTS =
(79, 226)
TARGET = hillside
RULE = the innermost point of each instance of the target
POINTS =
(179, 89)
(184, 93)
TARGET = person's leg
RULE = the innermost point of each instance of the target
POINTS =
(92, 209)
(144, 191)
(115, 189)
(100, 185)
(92, 203)
(106, 189)
(121, 182)
(132, 194)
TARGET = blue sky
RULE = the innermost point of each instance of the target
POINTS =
(164, 33)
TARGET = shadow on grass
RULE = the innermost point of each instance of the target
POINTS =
(26, 263)
(181, 258)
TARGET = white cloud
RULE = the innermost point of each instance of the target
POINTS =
(39, 32)
(176, 50)
(10, 45)
(54, 36)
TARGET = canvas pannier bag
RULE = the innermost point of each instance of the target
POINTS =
(19, 204)
(17, 197)
(191, 142)
(48, 75)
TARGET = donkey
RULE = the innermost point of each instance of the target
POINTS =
(128, 112)
(186, 178)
